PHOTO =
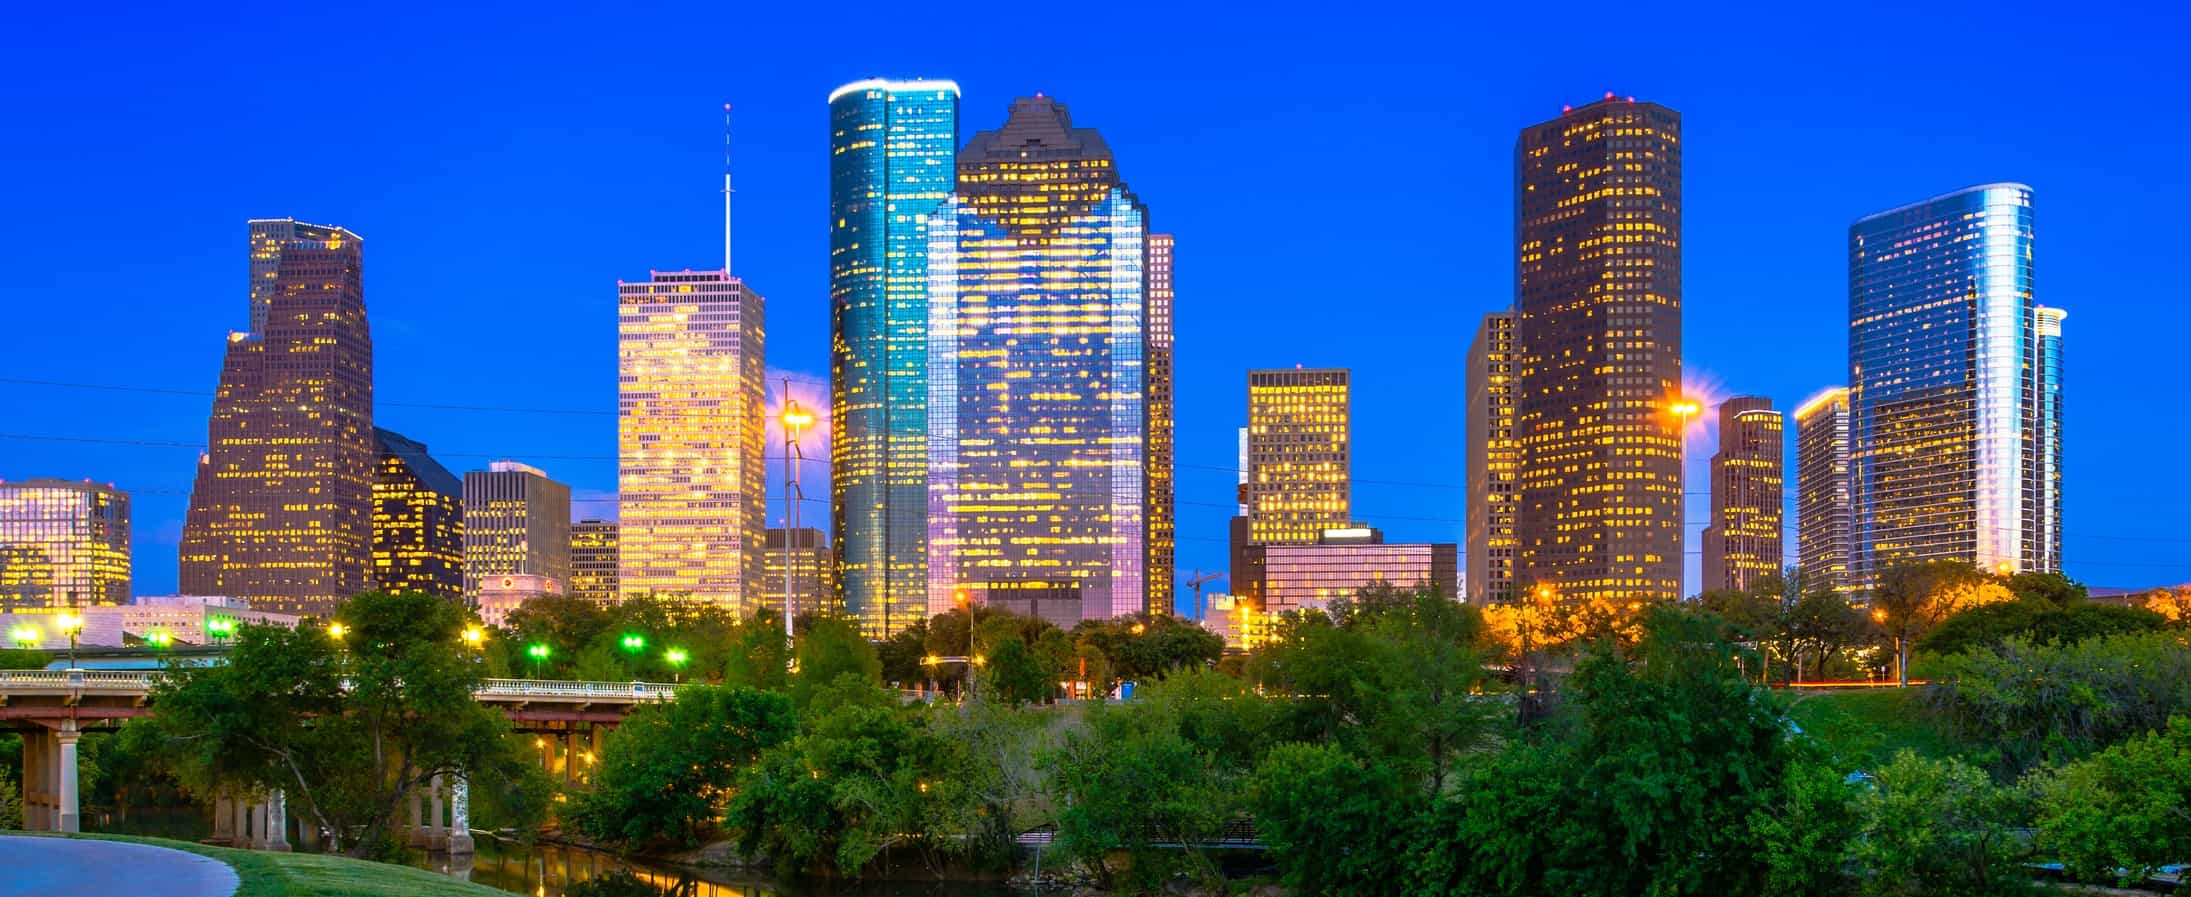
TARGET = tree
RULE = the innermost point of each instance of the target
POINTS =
(2035, 620)
(1803, 838)
(1130, 782)
(1938, 827)
(2124, 812)
(1014, 675)
(1820, 626)
(832, 648)
(1149, 646)
(348, 729)
(1911, 599)
(1334, 824)
(757, 655)
(666, 774)
(2171, 603)
(2059, 702)
(901, 655)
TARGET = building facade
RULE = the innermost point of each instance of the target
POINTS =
(1037, 413)
(1598, 299)
(807, 567)
(418, 520)
(1157, 488)
(281, 509)
(691, 429)
(892, 161)
(517, 522)
(1823, 504)
(1493, 462)
(594, 561)
(1742, 540)
(1344, 562)
(63, 544)
(1954, 388)
(1299, 454)
(499, 595)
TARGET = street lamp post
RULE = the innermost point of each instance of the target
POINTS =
(676, 658)
(1901, 660)
(26, 637)
(539, 652)
(795, 420)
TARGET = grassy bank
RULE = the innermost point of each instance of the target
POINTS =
(266, 874)
(1867, 727)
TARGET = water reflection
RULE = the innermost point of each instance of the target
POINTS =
(549, 870)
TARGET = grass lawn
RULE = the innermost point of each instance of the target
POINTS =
(1865, 728)
(266, 874)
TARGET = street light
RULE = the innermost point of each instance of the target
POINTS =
(676, 658)
(73, 625)
(795, 419)
(1901, 661)
(334, 631)
(474, 636)
(539, 652)
(159, 639)
(633, 644)
(26, 637)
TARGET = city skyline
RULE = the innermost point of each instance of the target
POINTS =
(1208, 318)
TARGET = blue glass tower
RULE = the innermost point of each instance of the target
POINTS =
(892, 146)
(1954, 389)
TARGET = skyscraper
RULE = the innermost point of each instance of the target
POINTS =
(517, 522)
(418, 520)
(691, 485)
(1492, 456)
(1036, 376)
(1954, 387)
(281, 509)
(1598, 294)
(593, 561)
(1742, 541)
(1342, 562)
(808, 571)
(62, 544)
(1822, 501)
(892, 146)
(1298, 454)
(1161, 516)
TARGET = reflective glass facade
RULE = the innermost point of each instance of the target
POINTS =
(1954, 395)
(1036, 374)
(1823, 526)
(62, 544)
(1298, 577)
(1494, 460)
(1299, 454)
(281, 510)
(892, 146)
(1161, 516)
(517, 522)
(1598, 292)
(691, 434)
(418, 520)
(1742, 540)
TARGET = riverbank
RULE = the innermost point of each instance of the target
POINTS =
(266, 874)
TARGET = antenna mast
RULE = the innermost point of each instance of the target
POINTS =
(727, 191)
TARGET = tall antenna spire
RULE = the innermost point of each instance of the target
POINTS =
(727, 191)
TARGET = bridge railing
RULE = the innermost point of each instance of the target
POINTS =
(137, 681)
(87, 680)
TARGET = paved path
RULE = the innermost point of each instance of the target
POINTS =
(66, 867)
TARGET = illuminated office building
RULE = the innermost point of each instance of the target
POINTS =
(691, 426)
(418, 520)
(1598, 296)
(1822, 490)
(1036, 377)
(1344, 561)
(808, 571)
(892, 146)
(1954, 388)
(516, 522)
(1742, 541)
(1493, 461)
(281, 509)
(593, 561)
(1157, 487)
(1298, 454)
(62, 544)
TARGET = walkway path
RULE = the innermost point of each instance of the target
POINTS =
(66, 867)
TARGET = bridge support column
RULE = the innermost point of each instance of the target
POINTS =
(68, 819)
(460, 816)
(239, 812)
(276, 813)
(570, 755)
(37, 782)
(437, 836)
(598, 729)
(416, 835)
(224, 818)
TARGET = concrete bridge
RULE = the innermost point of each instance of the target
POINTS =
(53, 708)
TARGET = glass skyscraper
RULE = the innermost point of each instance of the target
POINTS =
(1299, 451)
(1492, 461)
(1037, 410)
(1954, 387)
(418, 520)
(892, 146)
(1742, 541)
(63, 544)
(1822, 504)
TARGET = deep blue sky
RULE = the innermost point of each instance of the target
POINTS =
(1339, 178)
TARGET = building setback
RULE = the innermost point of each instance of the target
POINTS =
(811, 594)
(1822, 503)
(1492, 461)
(691, 428)
(1742, 540)
(63, 544)
(418, 520)
(593, 561)
(892, 151)
(1037, 413)
(1598, 295)
(281, 509)
(517, 522)
(1954, 388)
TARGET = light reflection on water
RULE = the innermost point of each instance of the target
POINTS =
(545, 870)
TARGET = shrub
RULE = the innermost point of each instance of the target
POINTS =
(2123, 812)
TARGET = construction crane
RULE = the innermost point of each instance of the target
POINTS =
(1195, 581)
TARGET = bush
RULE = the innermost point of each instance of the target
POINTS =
(1938, 827)
(2037, 622)
(667, 772)
(2057, 703)
(2122, 813)
(1334, 825)
(1804, 840)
